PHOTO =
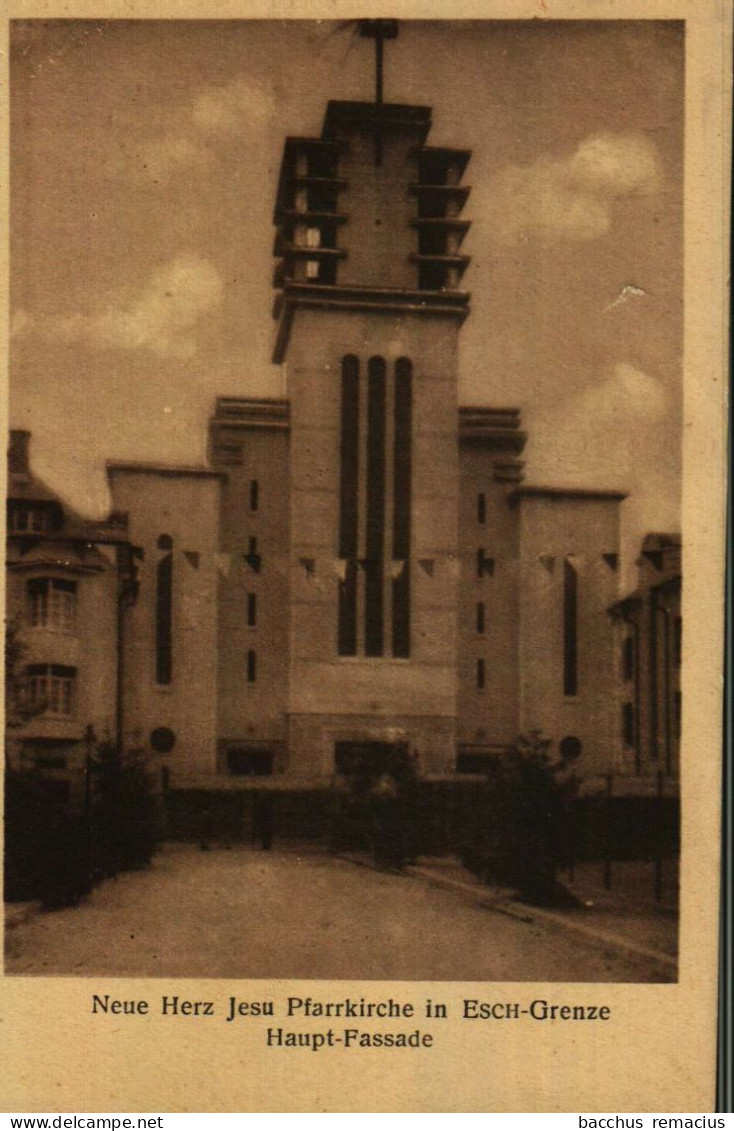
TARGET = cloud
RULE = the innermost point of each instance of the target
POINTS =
(161, 158)
(573, 198)
(626, 395)
(215, 113)
(606, 434)
(159, 317)
(227, 109)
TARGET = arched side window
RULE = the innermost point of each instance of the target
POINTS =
(164, 613)
(570, 629)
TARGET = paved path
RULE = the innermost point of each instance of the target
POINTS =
(242, 913)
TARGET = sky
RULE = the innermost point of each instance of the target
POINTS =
(144, 161)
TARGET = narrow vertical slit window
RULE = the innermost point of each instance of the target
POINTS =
(481, 675)
(402, 486)
(628, 658)
(164, 614)
(375, 513)
(251, 609)
(254, 494)
(251, 666)
(628, 724)
(348, 506)
(570, 629)
(480, 617)
(481, 508)
(252, 557)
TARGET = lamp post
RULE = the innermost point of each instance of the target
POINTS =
(90, 741)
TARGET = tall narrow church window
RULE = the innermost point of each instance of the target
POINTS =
(480, 617)
(570, 629)
(251, 666)
(481, 508)
(164, 613)
(348, 506)
(251, 609)
(254, 494)
(402, 475)
(375, 514)
(481, 675)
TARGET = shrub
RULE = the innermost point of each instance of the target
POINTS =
(517, 836)
(47, 851)
(55, 852)
(125, 817)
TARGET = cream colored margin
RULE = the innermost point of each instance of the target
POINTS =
(659, 1055)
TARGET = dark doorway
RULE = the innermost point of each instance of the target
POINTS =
(367, 759)
(249, 761)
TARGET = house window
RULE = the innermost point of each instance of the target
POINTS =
(481, 675)
(677, 641)
(251, 666)
(481, 508)
(570, 629)
(164, 614)
(28, 519)
(251, 610)
(480, 617)
(254, 494)
(628, 658)
(50, 689)
(52, 603)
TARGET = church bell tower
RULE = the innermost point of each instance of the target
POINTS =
(368, 309)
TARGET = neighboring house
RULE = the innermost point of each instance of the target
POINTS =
(649, 646)
(65, 578)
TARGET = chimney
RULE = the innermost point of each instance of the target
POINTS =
(18, 452)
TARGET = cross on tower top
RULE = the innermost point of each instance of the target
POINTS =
(379, 30)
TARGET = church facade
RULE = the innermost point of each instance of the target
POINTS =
(361, 566)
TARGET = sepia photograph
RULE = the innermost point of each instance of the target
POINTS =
(344, 630)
